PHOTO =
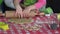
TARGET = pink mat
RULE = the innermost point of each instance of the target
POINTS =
(14, 28)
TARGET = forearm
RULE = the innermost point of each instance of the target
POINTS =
(32, 7)
(40, 4)
(16, 3)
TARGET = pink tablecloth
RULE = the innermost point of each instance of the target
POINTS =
(15, 29)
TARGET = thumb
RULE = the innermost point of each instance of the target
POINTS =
(21, 15)
(16, 14)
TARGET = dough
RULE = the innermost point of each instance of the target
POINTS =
(20, 21)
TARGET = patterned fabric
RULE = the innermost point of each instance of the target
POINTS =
(15, 28)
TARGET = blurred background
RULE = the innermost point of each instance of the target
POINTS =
(54, 4)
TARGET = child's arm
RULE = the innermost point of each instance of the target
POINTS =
(40, 4)
(16, 3)
(37, 5)
(18, 8)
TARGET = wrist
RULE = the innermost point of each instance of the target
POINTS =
(32, 7)
(17, 6)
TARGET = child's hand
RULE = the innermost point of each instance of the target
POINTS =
(27, 10)
(19, 12)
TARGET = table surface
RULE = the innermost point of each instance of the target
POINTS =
(15, 28)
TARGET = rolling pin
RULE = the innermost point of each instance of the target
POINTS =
(11, 14)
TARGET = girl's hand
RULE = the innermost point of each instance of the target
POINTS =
(26, 12)
(19, 12)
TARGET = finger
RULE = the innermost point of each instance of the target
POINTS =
(21, 15)
(30, 15)
(24, 15)
(16, 14)
(27, 15)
